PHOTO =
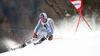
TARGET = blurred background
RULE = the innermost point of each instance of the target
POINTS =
(18, 18)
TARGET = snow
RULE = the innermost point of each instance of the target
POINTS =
(61, 47)
(82, 43)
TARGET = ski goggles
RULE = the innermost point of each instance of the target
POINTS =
(42, 18)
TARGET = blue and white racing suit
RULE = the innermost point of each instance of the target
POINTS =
(47, 30)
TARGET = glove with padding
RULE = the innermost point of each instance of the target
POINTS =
(35, 35)
(50, 37)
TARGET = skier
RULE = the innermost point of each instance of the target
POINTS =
(46, 32)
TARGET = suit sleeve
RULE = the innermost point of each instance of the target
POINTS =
(51, 23)
(37, 27)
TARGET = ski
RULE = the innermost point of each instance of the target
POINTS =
(36, 43)
(15, 48)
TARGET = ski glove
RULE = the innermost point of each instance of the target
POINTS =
(50, 38)
(35, 35)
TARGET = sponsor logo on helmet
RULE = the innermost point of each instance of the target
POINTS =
(41, 16)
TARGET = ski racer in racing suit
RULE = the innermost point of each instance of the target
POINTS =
(47, 30)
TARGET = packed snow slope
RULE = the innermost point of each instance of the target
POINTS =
(62, 47)
(66, 41)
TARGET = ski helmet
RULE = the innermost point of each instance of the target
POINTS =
(43, 15)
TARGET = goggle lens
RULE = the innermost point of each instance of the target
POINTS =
(42, 18)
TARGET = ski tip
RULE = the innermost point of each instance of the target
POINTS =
(12, 49)
(34, 43)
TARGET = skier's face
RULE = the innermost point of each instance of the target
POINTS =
(43, 20)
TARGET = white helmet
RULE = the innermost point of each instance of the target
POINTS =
(43, 15)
